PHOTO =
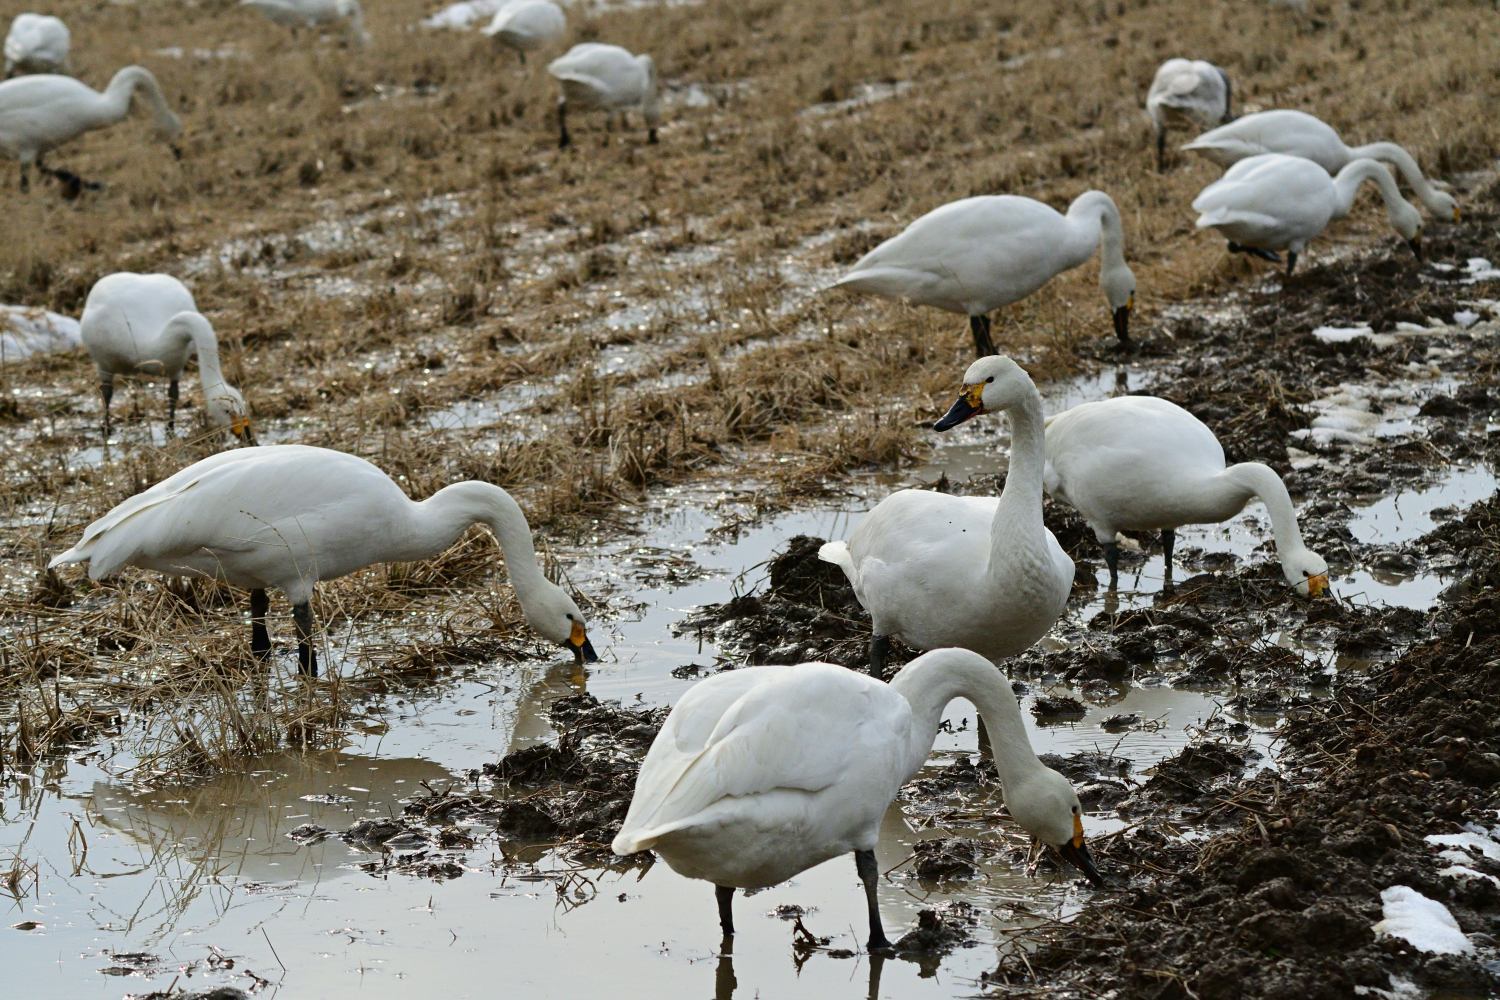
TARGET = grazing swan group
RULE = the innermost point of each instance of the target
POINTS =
(40, 113)
(1297, 133)
(973, 256)
(1187, 92)
(37, 43)
(758, 773)
(288, 516)
(606, 78)
(762, 772)
(1277, 202)
(148, 325)
(1139, 463)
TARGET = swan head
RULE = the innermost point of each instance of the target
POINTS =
(1442, 205)
(1047, 807)
(1305, 571)
(555, 617)
(227, 408)
(1407, 221)
(1118, 283)
(992, 383)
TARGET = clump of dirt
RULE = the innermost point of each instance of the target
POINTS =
(1283, 903)
(939, 932)
(809, 612)
(947, 858)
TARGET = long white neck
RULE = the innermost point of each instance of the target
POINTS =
(1255, 479)
(1018, 515)
(1346, 185)
(115, 101)
(186, 329)
(1096, 222)
(934, 679)
(1388, 152)
(441, 518)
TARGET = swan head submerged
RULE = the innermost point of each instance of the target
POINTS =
(1305, 571)
(993, 383)
(1047, 807)
(555, 617)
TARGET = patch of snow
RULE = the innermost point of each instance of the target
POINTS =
(1342, 334)
(1401, 989)
(1465, 318)
(1473, 837)
(25, 331)
(1423, 923)
(464, 14)
(1479, 269)
(1465, 872)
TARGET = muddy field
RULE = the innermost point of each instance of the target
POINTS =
(634, 339)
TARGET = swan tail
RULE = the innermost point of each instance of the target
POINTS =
(838, 554)
(77, 554)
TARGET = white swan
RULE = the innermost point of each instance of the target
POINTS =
(975, 255)
(37, 43)
(40, 113)
(763, 772)
(1297, 133)
(1278, 202)
(982, 573)
(1186, 93)
(1139, 463)
(148, 324)
(288, 516)
(606, 77)
(525, 25)
(314, 13)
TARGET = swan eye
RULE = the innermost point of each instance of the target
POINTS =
(570, 614)
(1075, 810)
(990, 379)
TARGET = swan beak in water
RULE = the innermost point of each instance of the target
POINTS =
(583, 650)
(240, 428)
(970, 403)
(1076, 854)
(1317, 584)
(1416, 246)
(1122, 320)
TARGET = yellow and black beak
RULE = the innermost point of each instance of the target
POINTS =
(970, 403)
(1078, 856)
(1416, 246)
(1317, 584)
(240, 428)
(1457, 215)
(1122, 319)
(583, 650)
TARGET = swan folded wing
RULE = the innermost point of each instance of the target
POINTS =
(757, 741)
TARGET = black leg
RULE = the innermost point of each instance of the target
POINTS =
(562, 124)
(877, 962)
(1291, 262)
(651, 135)
(260, 639)
(25, 178)
(1274, 258)
(171, 405)
(864, 863)
(1161, 149)
(1112, 560)
(1167, 538)
(107, 391)
(307, 657)
(725, 895)
(523, 56)
(724, 981)
(979, 326)
(880, 648)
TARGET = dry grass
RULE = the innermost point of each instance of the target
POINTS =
(380, 235)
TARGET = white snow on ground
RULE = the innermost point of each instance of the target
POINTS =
(1473, 840)
(1423, 923)
(1465, 872)
(1401, 989)
(464, 14)
(25, 331)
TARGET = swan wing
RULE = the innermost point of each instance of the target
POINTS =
(1286, 195)
(1293, 133)
(608, 69)
(968, 256)
(760, 730)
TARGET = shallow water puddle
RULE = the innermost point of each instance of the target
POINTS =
(186, 874)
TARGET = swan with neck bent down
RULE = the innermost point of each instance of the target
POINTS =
(1297, 133)
(148, 324)
(1278, 202)
(40, 113)
(982, 573)
(37, 43)
(287, 516)
(763, 772)
(1186, 92)
(1145, 464)
(978, 254)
